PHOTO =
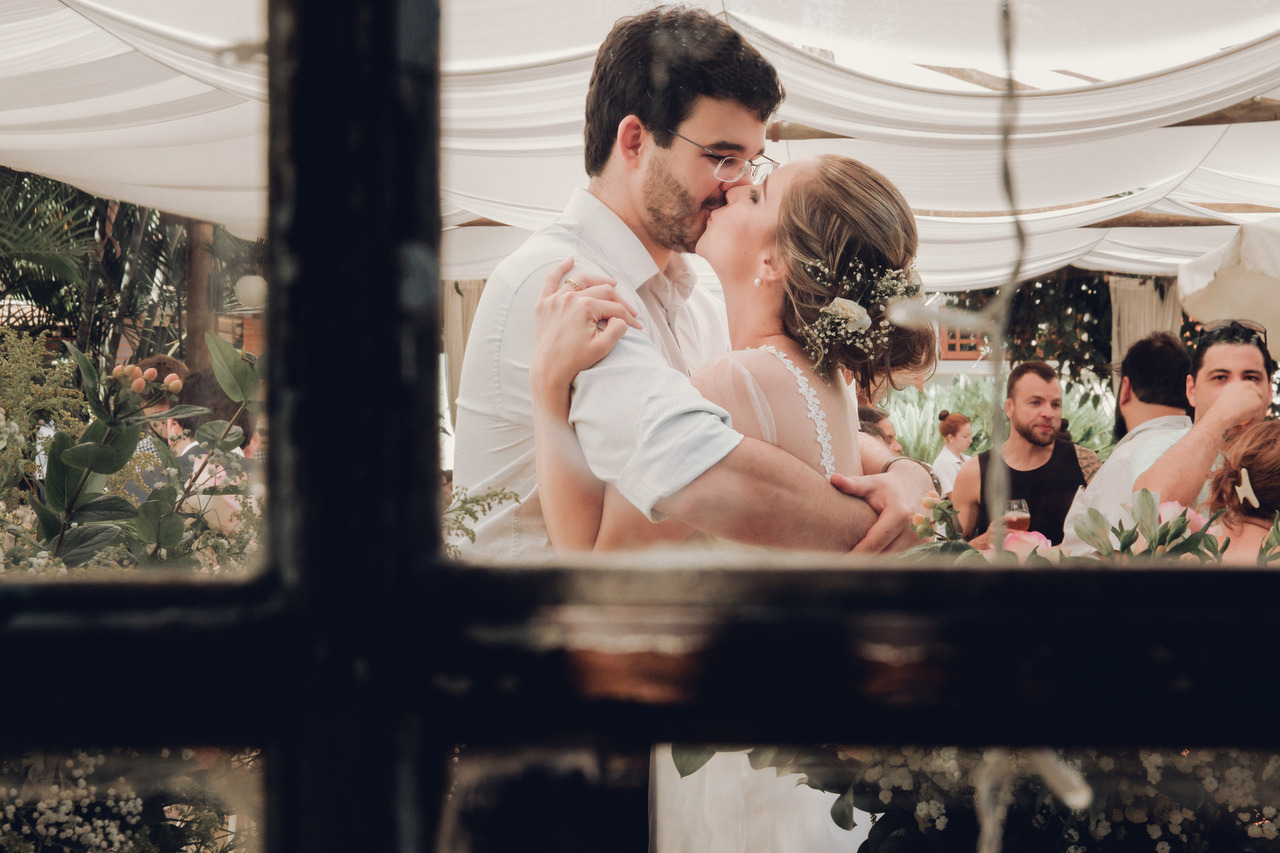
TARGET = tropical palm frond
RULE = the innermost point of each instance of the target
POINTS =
(46, 230)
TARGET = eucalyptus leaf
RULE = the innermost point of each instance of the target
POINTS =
(80, 544)
(237, 376)
(182, 410)
(210, 435)
(165, 495)
(104, 508)
(689, 759)
(169, 531)
(149, 515)
(842, 811)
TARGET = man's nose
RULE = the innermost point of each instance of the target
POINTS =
(744, 181)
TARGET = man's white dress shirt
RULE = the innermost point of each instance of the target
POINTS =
(642, 425)
(1111, 490)
(947, 466)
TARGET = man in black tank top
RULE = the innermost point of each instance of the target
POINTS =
(1043, 470)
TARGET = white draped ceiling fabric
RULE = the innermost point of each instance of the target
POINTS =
(163, 103)
(907, 87)
(155, 102)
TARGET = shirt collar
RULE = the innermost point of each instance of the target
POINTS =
(630, 261)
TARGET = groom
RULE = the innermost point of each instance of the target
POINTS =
(675, 116)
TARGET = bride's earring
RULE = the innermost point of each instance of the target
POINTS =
(756, 282)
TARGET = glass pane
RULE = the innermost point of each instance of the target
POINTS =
(205, 799)
(133, 197)
(1070, 202)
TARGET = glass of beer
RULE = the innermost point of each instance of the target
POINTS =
(1016, 515)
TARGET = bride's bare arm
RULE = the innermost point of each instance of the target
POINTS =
(575, 328)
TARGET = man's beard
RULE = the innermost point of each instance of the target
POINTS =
(1121, 429)
(1028, 432)
(674, 221)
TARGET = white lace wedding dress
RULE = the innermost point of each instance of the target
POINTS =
(726, 806)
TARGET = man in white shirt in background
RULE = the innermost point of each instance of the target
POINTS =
(1230, 388)
(1152, 413)
(676, 115)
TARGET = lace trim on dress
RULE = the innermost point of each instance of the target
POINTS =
(816, 414)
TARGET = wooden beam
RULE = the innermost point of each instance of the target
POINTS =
(979, 78)
(1253, 110)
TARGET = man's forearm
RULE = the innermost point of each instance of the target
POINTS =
(1181, 472)
(761, 495)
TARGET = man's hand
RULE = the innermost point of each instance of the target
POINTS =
(1239, 404)
(895, 499)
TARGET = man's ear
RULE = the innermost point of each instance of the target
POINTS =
(1126, 392)
(1191, 390)
(631, 139)
(1008, 407)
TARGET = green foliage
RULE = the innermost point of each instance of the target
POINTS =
(202, 516)
(1087, 405)
(1063, 317)
(31, 389)
(465, 510)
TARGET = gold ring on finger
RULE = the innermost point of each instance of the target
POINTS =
(572, 283)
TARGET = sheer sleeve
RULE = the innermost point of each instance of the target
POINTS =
(728, 383)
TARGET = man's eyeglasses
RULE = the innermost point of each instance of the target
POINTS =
(731, 169)
(1217, 331)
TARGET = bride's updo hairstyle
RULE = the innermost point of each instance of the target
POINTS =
(840, 221)
(1256, 450)
(949, 423)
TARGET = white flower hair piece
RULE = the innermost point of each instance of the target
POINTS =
(1244, 491)
(847, 318)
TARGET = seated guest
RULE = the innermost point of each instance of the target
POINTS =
(1151, 415)
(876, 423)
(1043, 471)
(1247, 486)
(957, 435)
(1229, 386)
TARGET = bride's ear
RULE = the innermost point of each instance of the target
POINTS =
(768, 271)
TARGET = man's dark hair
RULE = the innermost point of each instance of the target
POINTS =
(164, 365)
(201, 388)
(656, 64)
(1039, 368)
(1157, 368)
(1230, 332)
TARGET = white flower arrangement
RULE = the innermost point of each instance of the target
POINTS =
(855, 297)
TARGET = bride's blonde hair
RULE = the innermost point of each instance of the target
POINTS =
(836, 216)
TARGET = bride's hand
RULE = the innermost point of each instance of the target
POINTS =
(574, 327)
(894, 500)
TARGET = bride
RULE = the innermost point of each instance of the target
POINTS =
(809, 261)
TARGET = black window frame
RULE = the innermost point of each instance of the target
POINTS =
(362, 656)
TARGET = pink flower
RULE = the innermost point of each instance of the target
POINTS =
(1023, 542)
(1169, 510)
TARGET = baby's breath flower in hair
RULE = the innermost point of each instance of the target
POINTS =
(847, 318)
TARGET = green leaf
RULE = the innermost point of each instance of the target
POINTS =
(210, 435)
(57, 474)
(842, 811)
(1094, 529)
(79, 544)
(48, 521)
(104, 508)
(237, 376)
(149, 515)
(169, 532)
(89, 384)
(182, 410)
(166, 495)
(1146, 515)
(96, 457)
(689, 759)
(118, 435)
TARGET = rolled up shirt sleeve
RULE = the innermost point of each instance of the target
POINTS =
(643, 426)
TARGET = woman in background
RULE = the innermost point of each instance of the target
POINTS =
(957, 435)
(1247, 486)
